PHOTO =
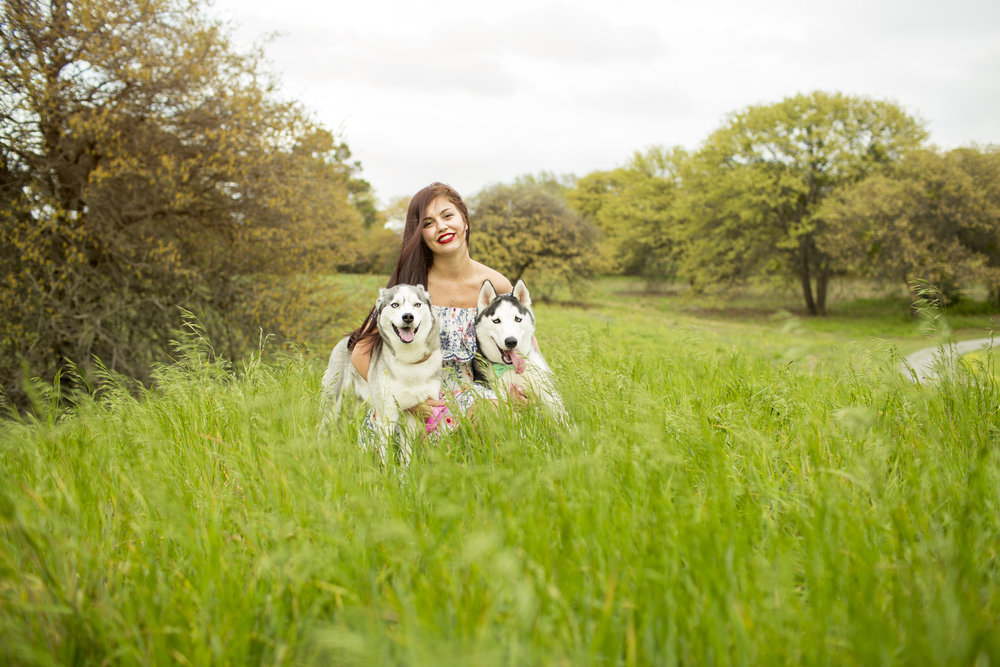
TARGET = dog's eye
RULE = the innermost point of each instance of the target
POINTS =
(517, 319)
(395, 304)
(496, 321)
(417, 304)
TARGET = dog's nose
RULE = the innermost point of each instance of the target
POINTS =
(511, 343)
(408, 318)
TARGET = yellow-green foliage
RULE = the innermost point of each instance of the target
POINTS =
(750, 196)
(934, 217)
(526, 230)
(632, 207)
(148, 166)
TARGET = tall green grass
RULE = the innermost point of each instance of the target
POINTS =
(753, 493)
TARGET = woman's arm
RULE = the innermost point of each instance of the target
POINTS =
(361, 357)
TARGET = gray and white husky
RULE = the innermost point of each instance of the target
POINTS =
(404, 372)
(505, 333)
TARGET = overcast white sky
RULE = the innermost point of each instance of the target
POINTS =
(473, 93)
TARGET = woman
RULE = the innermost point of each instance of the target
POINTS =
(435, 254)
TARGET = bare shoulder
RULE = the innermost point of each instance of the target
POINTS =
(500, 282)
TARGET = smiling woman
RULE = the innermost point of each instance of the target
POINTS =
(435, 254)
(443, 228)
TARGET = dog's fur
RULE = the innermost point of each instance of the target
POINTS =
(505, 334)
(403, 373)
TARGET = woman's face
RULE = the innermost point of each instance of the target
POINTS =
(443, 227)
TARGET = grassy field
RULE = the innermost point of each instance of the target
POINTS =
(738, 486)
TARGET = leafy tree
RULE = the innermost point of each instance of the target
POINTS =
(554, 184)
(632, 208)
(525, 231)
(395, 212)
(147, 166)
(981, 226)
(751, 194)
(935, 218)
(374, 250)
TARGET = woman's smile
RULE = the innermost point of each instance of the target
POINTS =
(443, 226)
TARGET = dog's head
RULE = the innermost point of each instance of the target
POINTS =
(404, 314)
(505, 325)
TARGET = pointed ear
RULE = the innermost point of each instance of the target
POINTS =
(380, 301)
(424, 294)
(486, 295)
(521, 293)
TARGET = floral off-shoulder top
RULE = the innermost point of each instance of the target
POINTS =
(458, 345)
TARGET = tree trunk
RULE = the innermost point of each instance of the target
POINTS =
(822, 282)
(805, 279)
(519, 273)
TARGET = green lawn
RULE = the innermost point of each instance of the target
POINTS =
(733, 489)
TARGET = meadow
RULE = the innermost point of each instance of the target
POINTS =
(738, 486)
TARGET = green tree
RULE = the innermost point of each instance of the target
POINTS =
(632, 207)
(752, 193)
(147, 166)
(554, 184)
(526, 231)
(934, 218)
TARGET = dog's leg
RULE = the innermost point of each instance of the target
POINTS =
(555, 403)
(403, 439)
(550, 397)
(388, 421)
(405, 451)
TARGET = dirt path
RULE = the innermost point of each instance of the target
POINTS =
(928, 363)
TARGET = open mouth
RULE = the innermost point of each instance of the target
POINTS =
(446, 238)
(405, 334)
(512, 358)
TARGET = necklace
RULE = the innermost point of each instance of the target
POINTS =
(457, 287)
(450, 290)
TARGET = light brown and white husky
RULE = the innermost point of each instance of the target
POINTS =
(404, 371)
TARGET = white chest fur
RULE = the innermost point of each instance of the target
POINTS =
(408, 384)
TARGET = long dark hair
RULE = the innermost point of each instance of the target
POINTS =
(415, 258)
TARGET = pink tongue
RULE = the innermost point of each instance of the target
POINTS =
(406, 335)
(518, 361)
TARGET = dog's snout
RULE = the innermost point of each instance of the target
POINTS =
(510, 342)
(408, 318)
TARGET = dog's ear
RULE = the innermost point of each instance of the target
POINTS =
(486, 295)
(380, 301)
(424, 295)
(521, 293)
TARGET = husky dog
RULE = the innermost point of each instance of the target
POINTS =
(505, 331)
(404, 372)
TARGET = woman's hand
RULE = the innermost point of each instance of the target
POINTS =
(517, 395)
(424, 411)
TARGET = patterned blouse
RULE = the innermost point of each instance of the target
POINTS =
(458, 345)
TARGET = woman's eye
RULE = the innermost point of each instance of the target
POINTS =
(517, 319)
